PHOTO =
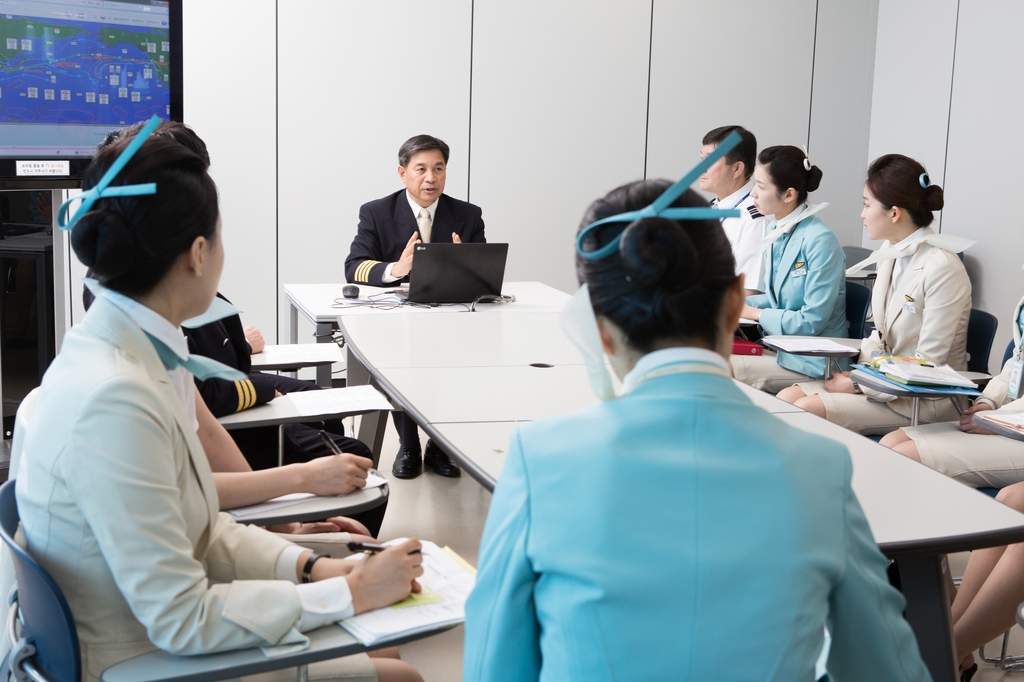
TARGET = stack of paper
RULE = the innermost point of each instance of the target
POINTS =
(920, 372)
(1014, 419)
(447, 581)
(808, 344)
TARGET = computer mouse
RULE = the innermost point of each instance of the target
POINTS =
(350, 291)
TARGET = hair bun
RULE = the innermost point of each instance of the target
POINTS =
(813, 179)
(105, 242)
(933, 198)
(657, 252)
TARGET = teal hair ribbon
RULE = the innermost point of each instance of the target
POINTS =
(660, 207)
(102, 190)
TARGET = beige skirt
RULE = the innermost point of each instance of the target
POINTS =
(870, 418)
(977, 460)
(763, 372)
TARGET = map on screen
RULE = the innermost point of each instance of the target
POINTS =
(81, 72)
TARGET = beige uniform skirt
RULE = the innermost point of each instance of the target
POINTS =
(977, 460)
(859, 413)
(763, 372)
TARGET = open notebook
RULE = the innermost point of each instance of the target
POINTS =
(447, 581)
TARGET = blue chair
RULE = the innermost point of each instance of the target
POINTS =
(858, 299)
(47, 646)
(981, 332)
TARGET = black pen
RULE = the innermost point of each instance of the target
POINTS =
(373, 549)
(329, 442)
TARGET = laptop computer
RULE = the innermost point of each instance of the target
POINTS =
(456, 273)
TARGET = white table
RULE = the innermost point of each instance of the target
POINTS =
(318, 508)
(290, 356)
(322, 304)
(470, 403)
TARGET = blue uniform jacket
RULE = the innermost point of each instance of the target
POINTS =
(634, 539)
(805, 291)
(385, 226)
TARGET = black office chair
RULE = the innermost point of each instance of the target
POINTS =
(45, 646)
(858, 300)
(981, 332)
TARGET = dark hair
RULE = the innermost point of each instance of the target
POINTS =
(420, 143)
(668, 278)
(130, 243)
(896, 180)
(179, 132)
(785, 166)
(745, 151)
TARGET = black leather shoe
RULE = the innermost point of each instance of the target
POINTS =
(408, 464)
(436, 459)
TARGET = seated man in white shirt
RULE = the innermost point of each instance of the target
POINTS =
(730, 179)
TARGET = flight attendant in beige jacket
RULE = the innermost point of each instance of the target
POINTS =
(115, 493)
(920, 302)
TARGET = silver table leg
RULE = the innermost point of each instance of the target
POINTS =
(280, 445)
(916, 412)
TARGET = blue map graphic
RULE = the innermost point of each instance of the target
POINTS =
(56, 71)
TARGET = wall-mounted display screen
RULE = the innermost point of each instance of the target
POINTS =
(72, 70)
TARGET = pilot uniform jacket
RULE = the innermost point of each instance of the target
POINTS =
(386, 225)
(576, 583)
(804, 290)
(924, 316)
(118, 503)
(225, 342)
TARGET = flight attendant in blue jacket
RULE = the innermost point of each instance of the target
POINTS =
(631, 539)
(805, 272)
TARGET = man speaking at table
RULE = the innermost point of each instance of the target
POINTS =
(382, 253)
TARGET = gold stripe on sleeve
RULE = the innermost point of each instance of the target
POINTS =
(362, 273)
(251, 390)
(241, 395)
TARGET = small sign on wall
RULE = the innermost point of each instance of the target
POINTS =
(43, 168)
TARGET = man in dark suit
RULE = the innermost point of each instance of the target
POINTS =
(382, 253)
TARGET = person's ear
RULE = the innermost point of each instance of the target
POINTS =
(401, 173)
(789, 195)
(739, 170)
(607, 339)
(895, 214)
(733, 301)
(197, 255)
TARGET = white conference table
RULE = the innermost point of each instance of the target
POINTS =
(470, 396)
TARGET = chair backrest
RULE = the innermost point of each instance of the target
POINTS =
(1010, 347)
(981, 332)
(855, 254)
(45, 617)
(858, 299)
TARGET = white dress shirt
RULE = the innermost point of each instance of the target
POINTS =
(387, 277)
(745, 234)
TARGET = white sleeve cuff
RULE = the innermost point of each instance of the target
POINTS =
(284, 569)
(988, 401)
(387, 277)
(324, 602)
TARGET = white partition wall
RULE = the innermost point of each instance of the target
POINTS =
(985, 147)
(841, 110)
(727, 62)
(559, 116)
(355, 81)
(230, 81)
(912, 80)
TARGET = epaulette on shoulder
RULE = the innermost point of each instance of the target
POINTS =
(754, 213)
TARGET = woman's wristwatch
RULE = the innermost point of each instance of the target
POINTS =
(307, 570)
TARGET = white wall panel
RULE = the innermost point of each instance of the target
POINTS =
(559, 109)
(229, 100)
(355, 81)
(727, 62)
(913, 74)
(841, 109)
(985, 145)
